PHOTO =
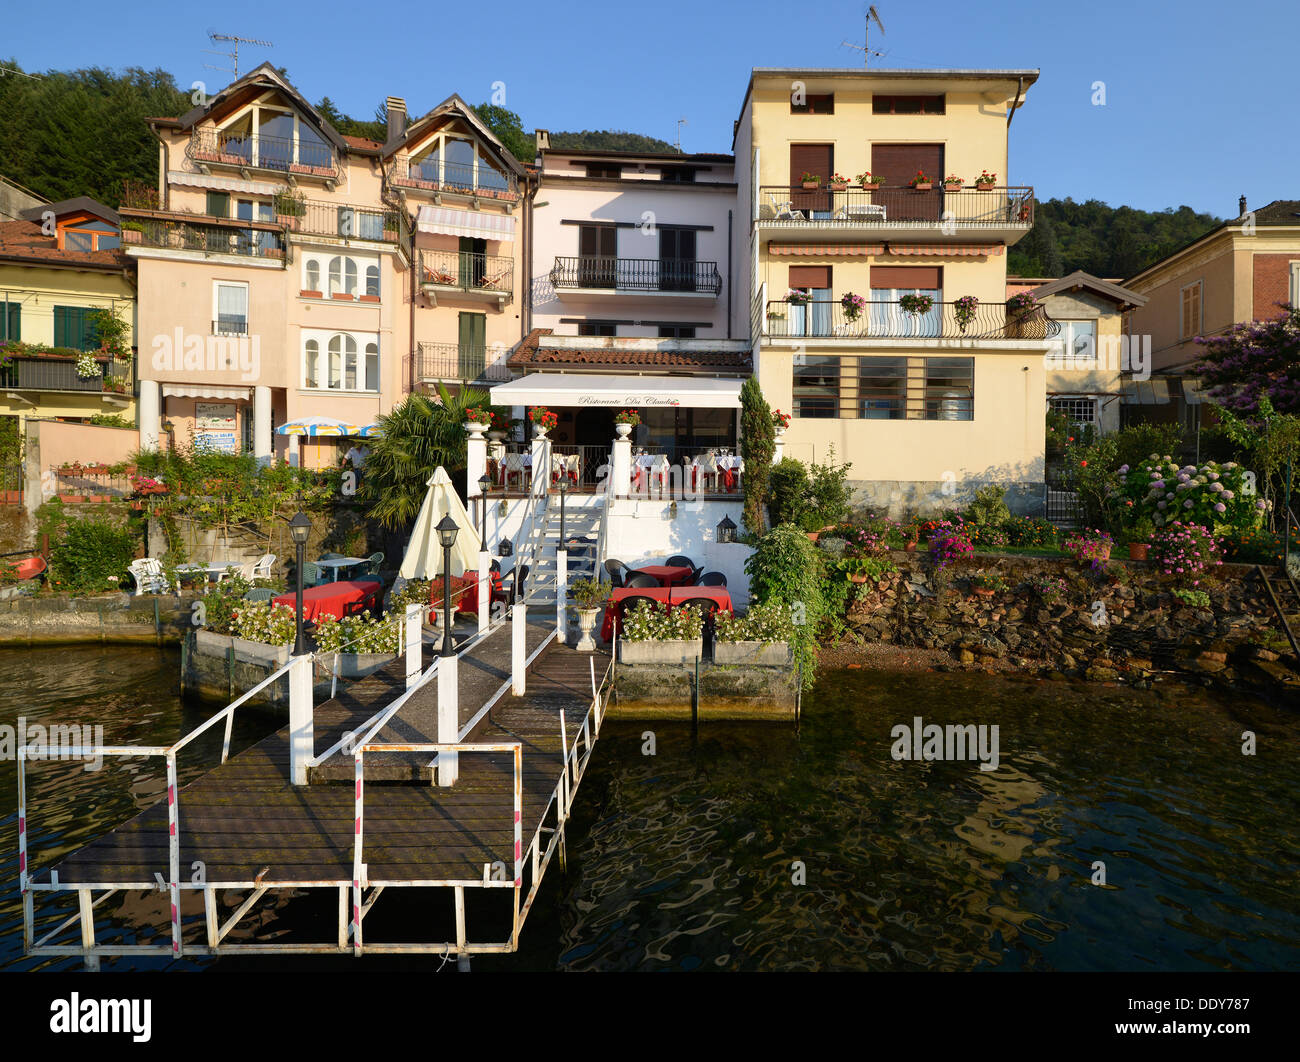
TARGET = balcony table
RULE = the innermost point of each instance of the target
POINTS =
(667, 574)
(337, 563)
(335, 599)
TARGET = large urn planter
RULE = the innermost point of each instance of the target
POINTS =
(623, 430)
(475, 429)
(586, 627)
(753, 654)
(674, 651)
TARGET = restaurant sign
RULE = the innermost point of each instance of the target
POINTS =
(627, 401)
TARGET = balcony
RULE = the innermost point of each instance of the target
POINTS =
(317, 218)
(292, 158)
(827, 319)
(998, 215)
(596, 275)
(428, 177)
(59, 373)
(463, 274)
(453, 362)
(202, 234)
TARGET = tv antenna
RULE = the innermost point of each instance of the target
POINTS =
(21, 73)
(233, 54)
(865, 47)
(678, 145)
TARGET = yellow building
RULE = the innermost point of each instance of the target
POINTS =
(877, 290)
(59, 264)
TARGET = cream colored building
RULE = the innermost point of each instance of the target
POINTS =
(878, 310)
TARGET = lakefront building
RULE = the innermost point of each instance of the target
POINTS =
(876, 290)
(296, 283)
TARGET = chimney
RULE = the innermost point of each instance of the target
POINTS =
(396, 108)
(543, 138)
(1241, 207)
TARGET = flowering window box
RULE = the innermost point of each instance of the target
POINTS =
(666, 651)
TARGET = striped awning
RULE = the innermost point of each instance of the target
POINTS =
(315, 427)
(222, 184)
(204, 391)
(947, 250)
(452, 222)
(825, 250)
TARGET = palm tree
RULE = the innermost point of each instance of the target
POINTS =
(420, 434)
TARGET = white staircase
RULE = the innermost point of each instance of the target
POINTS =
(581, 528)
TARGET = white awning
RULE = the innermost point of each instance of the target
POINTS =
(625, 392)
(205, 391)
(452, 222)
(219, 183)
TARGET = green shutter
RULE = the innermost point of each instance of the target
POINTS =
(11, 321)
(219, 204)
(61, 326)
(73, 328)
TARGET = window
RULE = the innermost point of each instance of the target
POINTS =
(311, 376)
(677, 331)
(1077, 343)
(1081, 411)
(312, 275)
(90, 236)
(814, 104)
(340, 362)
(372, 366)
(1191, 311)
(949, 388)
(11, 318)
(597, 328)
(372, 280)
(907, 105)
(343, 276)
(677, 174)
(882, 388)
(604, 169)
(78, 241)
(816, 386)
(229, 309)
(1295, 284)
(73, 328)
(218, 204)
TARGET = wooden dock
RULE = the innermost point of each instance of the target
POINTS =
(254, 833)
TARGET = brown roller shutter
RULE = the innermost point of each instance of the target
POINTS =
(811, 158)
(810, 276)
(898, 164)
(927, 278)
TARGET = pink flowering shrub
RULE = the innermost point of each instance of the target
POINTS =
(1092, 546)
(948, 542)
(1185, 552)
(1212, 494)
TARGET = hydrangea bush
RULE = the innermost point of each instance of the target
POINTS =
(1212, 494)
(1186, 552)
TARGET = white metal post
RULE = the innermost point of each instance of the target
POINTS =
(448, 719)
(561, 594)
(484, 587)
(414, 642)
(518, 628)
(301, 729)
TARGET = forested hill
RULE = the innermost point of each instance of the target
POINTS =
(1103, 240)
(607, 140)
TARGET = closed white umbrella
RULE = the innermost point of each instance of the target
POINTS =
(423, 559)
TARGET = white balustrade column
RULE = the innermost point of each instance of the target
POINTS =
(484, 586)
(475, 458)
(778, 450)
(262, 424)
(561, 593)
(541, 459)
(448, 718)
(414, 642)
(150, 412)
(301, 722)
(622, 470)
(518, 647)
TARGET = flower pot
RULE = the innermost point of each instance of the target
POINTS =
(952, 187)
(1138, 550)
(857, 577)
(310, 295)
(924, 186)
(475, 429)
(623, 430)
(539, 432)
(586, 625)
(983, 187)
(368, 298)
(982, 591)
(132, 236)
(343, 295)
(674, 651)
(810, 186)
(813, 535)
(840, 187)
(910, 547)
(496, 436)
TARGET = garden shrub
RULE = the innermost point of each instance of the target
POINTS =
(91, 556)
(362, 633)
(762, 623)
(1214, 495)
(1185, 552)
(787, 492)
(786, 569)
(811, 496)
(222, 601)
(988, 509)
(264, 622)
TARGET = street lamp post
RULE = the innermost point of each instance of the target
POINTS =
(447, 529)
(299, 531)
(484, 484)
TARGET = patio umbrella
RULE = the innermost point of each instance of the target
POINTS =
(370, 431)
(318, 426)
(423, 559)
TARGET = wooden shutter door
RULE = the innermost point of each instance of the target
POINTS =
(898, 164)
(811, 158)
(473, 345)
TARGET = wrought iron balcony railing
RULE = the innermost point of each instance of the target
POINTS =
(879, 206)
(454, 362)
(203, 233)
(428, 175)
(24, 373)
(317, 218)
(828, 319)
(637, 274)
(295, 157)
(468, 271)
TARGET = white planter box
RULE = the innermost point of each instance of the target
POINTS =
(353, 665)
(660, 652)
(246, 652)
(758, 654)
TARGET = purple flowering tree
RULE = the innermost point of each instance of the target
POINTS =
(1253, 361)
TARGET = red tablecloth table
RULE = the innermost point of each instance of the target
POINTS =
(667, 574)
(464, 592)
(670, 595)
(336, 599)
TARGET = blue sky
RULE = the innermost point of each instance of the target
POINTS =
(1198, 95)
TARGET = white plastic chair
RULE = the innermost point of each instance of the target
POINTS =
(784, 211)
(148, 575)
(262, 568)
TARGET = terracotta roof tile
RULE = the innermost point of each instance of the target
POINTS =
(531, 353)
(24, 240)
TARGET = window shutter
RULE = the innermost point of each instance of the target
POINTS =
(61, 327)
(810, 276)
(898, 163)
(12, 321)
(923, 278)
(218, 204)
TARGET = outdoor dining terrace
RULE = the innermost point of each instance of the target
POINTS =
(890, 319)
(663, 471)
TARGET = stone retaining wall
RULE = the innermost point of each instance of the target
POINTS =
(59, 619)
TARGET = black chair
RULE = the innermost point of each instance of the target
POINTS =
(508, 585)
(641, 581)
(694, 578)
(495, 566)
(712, 579)
(632, 601)
(680, 561)
(615, 569)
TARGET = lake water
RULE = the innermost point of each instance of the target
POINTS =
(761, 848)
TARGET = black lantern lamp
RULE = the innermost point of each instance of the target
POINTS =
(484, 484)
(447, 529)
(299, 532)
(727, 530)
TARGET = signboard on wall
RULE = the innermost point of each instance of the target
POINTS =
(216, 441)
(214, 416)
